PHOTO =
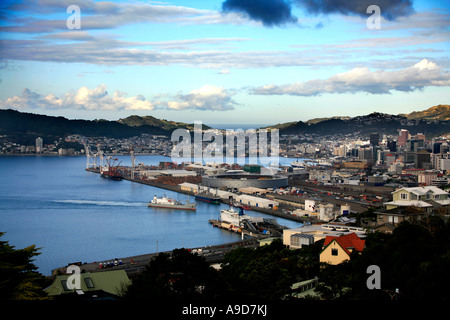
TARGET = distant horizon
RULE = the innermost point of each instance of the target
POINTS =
(221, 125)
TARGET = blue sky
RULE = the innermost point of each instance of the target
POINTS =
(223, 61)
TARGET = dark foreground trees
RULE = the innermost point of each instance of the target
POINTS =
(19, 279)
(413, 263)
(175, 277)
(265, 273)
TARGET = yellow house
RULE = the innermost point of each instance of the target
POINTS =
(338, 249)
(421, 197)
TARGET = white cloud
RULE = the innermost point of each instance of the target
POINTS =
(423, 74)
(83, 99)
(110, 15)
(208, 97)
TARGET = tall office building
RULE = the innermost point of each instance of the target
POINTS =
(374, 139)
(392, 146)
(39, 145)
(437, 147)
(403, 137)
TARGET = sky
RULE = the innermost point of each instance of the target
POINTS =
(223, 61)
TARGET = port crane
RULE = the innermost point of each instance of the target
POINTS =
(135, 168)
(90, 155)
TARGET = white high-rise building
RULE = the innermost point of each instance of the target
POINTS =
(39, 145)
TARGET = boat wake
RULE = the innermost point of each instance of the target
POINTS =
(104, 203)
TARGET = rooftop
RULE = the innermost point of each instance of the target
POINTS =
(347, 242)
(422, 190)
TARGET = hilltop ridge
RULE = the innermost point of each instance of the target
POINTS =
(26, 127)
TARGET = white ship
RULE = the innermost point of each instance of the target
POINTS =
(298, 164)
(326, 163)
(170, 203)
(233, 217)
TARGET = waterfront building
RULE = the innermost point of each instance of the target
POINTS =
(39, 145)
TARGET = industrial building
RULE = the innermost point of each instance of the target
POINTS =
(169, 172)
(297, 237)
(237, 181)
(243, 199)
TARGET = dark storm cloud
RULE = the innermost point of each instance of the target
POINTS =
(390, 9)
(269, 12)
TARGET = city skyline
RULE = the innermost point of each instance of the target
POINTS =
(223, 61)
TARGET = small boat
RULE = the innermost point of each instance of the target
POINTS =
(169, 203)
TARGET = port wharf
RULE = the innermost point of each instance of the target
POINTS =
(213, 254)
(177, 188)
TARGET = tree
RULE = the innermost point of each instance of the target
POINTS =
(266, 272)
(333, 281)
(176, 277)
(413, 259)
(19, 279)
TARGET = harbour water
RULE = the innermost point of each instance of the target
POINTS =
(73, 215)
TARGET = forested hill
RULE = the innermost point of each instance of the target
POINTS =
(365, 125)
(25, 127)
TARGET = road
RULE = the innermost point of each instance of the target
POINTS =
(136, 264)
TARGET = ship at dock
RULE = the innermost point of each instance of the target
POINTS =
(298, 164)
(237, 221)
(111, 173)
(207, 197)
(169, 203)
(233, 217)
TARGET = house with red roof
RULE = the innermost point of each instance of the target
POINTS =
(338, 249)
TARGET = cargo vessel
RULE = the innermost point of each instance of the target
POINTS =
(169, 203)
(207, 197)
(111, 173)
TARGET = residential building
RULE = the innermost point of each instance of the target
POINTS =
(421, 197)
(388, 220)
(339, 249)
(94, 284)
(426, 178)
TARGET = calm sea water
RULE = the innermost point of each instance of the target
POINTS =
(74, 215)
